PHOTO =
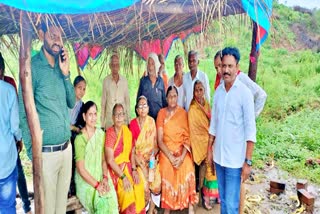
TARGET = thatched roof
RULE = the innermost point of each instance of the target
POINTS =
(150, 19)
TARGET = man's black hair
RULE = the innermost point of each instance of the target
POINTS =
(232, 51)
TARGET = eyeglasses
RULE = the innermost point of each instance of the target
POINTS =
(144, 106)
(119, 115)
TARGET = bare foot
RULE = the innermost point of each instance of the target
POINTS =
(191, 210)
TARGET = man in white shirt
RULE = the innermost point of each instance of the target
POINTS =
(259, 95)
(190, 78)
(115, 90)
(232, 132)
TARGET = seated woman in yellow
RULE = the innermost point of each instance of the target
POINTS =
(199, 116)
(144, 133)
(178, 189)
(127, 180)
(94, 185)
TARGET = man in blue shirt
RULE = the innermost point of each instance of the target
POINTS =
(232, 132)
(10, 136)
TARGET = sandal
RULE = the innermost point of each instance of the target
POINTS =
(204, 203)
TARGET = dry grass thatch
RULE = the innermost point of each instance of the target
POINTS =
(146, 20)
(124, 28)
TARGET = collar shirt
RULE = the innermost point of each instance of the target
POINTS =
(113, 93)
(232, 123)
(53, 96)
(155, 94)
(74, 112)
(259, 95)
(188, 84)
(9, 129)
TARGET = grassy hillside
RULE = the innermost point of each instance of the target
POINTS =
(288, 70)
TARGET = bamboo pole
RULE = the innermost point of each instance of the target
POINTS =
(254, 55)
(30, 109)
(242, 198)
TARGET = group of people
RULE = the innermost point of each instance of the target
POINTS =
(175, 147)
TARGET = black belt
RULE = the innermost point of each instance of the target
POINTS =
(55, 148)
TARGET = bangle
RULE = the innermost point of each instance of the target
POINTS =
(105, 176)
(122, 176)
(97, 185)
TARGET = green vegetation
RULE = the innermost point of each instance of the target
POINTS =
(289, 127)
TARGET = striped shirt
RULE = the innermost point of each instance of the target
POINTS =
(53, 95)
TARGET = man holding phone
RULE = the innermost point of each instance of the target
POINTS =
(53, 95)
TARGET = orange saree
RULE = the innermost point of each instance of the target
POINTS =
(178, 185)
(130, 202)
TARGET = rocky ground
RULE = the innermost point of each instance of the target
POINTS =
(258, 197)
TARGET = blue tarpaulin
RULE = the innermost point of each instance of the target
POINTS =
(260, 12)
(68, 6)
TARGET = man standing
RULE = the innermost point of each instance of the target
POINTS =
(190, 78)
(22, 184)
(10, 138)
(53, 95)
(259, 95)
(232, 132)
(115, 90)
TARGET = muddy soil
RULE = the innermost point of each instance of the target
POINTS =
(258, 197)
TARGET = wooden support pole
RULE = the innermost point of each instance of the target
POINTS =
(254, 55)
(30, 109)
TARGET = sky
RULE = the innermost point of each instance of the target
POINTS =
(310, 4)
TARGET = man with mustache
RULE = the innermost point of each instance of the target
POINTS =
(53, 95)
(232, 132)
(259, 95)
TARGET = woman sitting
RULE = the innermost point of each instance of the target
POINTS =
(94, 185)
(199, 116)
(178, 189)
(127, 179)
(144, 134)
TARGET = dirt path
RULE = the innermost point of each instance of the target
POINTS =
(259, 199)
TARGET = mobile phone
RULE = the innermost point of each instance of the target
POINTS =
(61, 56)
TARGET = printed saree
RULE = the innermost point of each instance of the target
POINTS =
(130, 202)
(145, 144)
(199, 119)
(177, 185)
(87, 195)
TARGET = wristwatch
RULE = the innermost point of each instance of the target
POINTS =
(247, 161)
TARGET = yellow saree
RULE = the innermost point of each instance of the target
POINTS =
(145, 144)
(131, 202)
(199, 118)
